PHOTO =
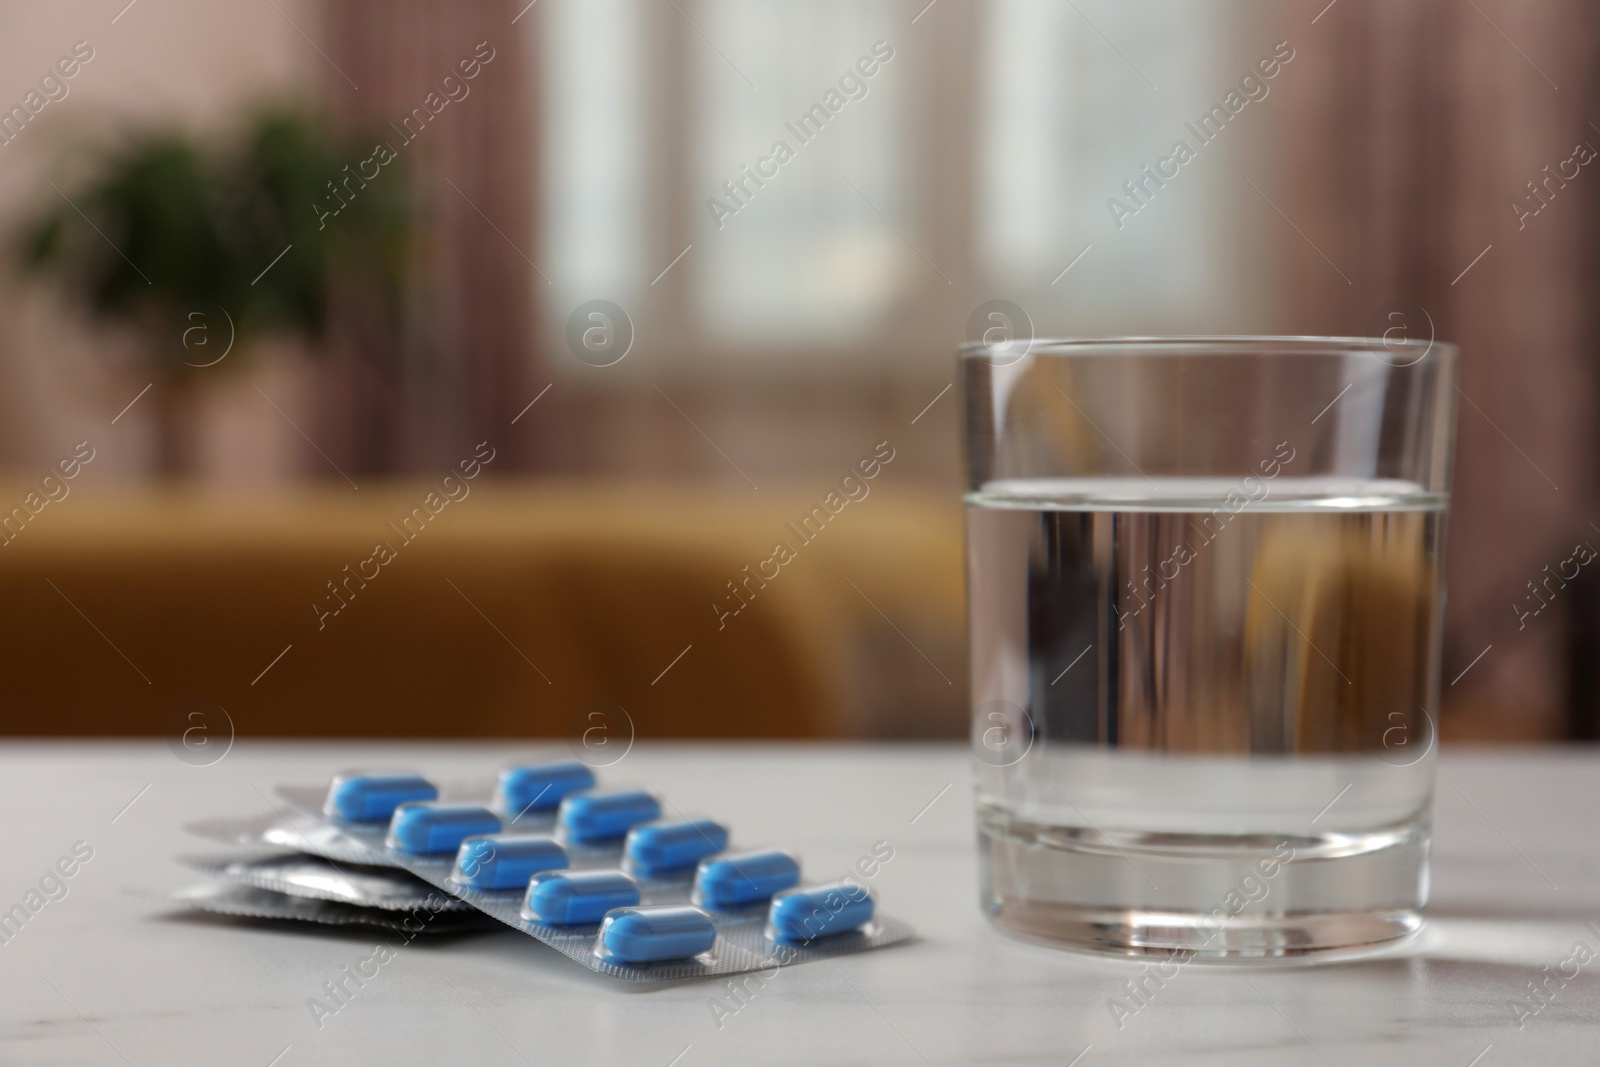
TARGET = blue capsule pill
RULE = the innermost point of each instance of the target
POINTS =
(667, 847)
(595, 818)
(744, 878)
(664, 932)
(821, 911)
(373, 797)
(540, 787)
(566, 898)
(431, 826)
(506, 861)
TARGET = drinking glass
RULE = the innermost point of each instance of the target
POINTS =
(1205, 579)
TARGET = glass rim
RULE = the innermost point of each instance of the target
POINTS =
(1209, 345)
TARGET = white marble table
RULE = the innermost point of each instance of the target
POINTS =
(101, 976)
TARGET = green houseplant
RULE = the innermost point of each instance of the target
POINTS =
(200, 245)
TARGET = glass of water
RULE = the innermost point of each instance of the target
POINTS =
(1206, 578)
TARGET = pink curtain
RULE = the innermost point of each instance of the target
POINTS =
(1413, 129)
(462, 365)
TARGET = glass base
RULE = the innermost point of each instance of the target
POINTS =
(1185, 936)
(1205, 897)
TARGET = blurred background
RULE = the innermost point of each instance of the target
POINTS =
(426, 368)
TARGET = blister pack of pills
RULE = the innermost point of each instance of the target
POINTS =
(598, 875)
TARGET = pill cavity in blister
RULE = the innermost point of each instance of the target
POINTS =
(540, 787)
(506, 861)
(743, 879)
(653, 934)
(599, 818)
(574, 898)
(663, 849)
(804, 915)
(373, 797)
(429, 826)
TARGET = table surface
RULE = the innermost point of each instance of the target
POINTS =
(104, 976)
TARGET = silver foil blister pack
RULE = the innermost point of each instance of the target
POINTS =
(300, 874)
(253, 902)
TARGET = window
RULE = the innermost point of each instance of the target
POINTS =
(1067, 115)
(594, 228)
(807, 256)
(975, 162)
